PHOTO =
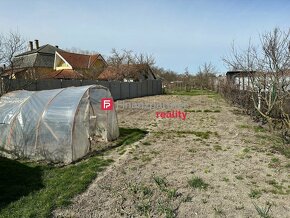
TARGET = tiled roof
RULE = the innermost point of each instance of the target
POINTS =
(132, 71)
(80, 61)
(64, 74)
(46, 49)
(41, 57)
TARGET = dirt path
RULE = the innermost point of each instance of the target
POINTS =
(229, 153)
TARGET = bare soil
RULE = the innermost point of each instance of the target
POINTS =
(230, 153)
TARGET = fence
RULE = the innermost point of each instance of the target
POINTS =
(119, 90)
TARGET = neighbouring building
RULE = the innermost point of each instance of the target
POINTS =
(240, 79)
(64, 74)
(33, 64)
(127, 73)
(78, 65)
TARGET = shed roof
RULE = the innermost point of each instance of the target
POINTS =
(124, 71)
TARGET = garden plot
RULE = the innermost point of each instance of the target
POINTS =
(216, 162)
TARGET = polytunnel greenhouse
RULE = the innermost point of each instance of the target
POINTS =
(55, 125)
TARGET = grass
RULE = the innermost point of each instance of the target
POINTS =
(197, 183)
(278, 188)
(146, 143)
(226, 179)
(205, 111)
(166, 210)
(217, 148)
(160, 181)
(239, 177)
(257, 129)
(129, 136)
(172, 193)
(55, 186)
(255, 193)
(283, 149)
(203, 135)
(194, 92)
(218, 211)
(200, 134)
(35, 190)
(144, 208)
(275, 162)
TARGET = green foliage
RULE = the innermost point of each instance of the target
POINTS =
(196, 182)
(34, 190)
(161, 182)
(255, 193)
(55, 186)
(194, 92)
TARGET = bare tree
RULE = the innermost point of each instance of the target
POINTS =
(267, 68)
(205, 77)
(144, 59)
(2, 56)
(124, 56)
(11, 45)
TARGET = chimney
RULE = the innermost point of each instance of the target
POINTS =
(56, 46)
(31, 45)
(36, 43)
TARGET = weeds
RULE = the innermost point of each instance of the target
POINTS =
(255, 193)
(161, 182)
(218, 211)
(263, 212)
(146, 143)
(217, 148)
(275, 162)
(165, 209)
(239, 177)
(226, 179)
(197, 183)
(172, 193)
(143, 208)
(283, 149)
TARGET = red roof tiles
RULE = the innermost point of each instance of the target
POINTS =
(80, 61)
(64, 74)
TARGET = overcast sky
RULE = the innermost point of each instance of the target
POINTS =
(178, 33)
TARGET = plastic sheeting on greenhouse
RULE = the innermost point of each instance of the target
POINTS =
(55, 125)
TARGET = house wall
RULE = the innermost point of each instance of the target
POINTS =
(34, 73)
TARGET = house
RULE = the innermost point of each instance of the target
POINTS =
(247, 80)
(33, 64)
(127, 73)
(79, 65)
(64, 74)
(240, 79)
